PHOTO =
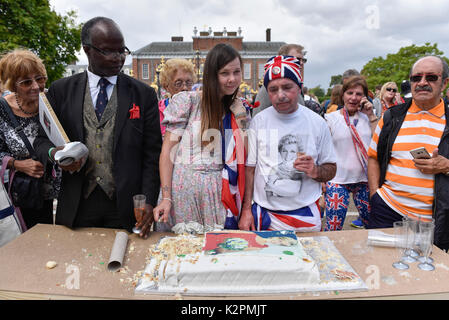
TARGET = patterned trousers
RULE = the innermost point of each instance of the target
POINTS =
(337, 201)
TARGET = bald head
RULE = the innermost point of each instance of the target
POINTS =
(97, 24)
(104, 46)
(428, 77)
(444, 69)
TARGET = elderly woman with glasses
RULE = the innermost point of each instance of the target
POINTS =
(389, 96)
(24, 74)
(177, 75)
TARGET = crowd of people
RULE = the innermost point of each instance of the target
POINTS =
(210, 158)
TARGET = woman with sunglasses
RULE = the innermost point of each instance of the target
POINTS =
(389, 96)
(177, 75)
(24, 74)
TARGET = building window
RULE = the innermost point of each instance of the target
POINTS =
(260, 72)
(247, 71)
(145, 71)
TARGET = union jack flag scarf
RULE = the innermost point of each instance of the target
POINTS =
(300, 220)
(360, 149)
(234, 157)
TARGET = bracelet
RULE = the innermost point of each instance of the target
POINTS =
(168, 199)
(49, 153)
(374, 120)
(12, 164)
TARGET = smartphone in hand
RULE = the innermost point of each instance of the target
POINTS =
(420, 153)
(362, 105)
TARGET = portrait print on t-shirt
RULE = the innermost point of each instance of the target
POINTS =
(284, 180)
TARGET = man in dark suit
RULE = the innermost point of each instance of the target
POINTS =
(117, 118)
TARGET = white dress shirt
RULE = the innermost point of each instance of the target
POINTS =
(95, 88)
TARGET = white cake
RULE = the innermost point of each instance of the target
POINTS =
(233, 262)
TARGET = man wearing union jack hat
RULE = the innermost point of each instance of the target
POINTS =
(290, 155)
(290, 49)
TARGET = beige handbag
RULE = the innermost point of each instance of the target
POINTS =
(9, 223)
(10, 219)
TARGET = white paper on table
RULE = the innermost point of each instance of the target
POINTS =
(118, 251)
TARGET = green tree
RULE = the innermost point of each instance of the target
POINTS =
(318, 92)
(335, 80)
(396, 66)
(32, 24)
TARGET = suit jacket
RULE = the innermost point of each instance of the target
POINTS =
(136, 149)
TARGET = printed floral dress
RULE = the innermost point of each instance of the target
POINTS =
(197, 172)
(12, 145)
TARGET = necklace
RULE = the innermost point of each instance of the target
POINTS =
(23, 110)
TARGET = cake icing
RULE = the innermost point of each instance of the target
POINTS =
(233, 262)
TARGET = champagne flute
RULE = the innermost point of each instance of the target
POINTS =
(426, 236)
(411, 229)
(139, 201)
(400, 239)
(422, 258)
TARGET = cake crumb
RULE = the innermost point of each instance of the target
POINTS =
(389, 280)
(178, 296)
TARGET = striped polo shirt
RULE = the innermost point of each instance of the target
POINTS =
(407, 190)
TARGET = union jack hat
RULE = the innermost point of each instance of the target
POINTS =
(282, 67)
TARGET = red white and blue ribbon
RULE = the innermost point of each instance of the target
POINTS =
(233, 174)
(360, 149)
(300, 220)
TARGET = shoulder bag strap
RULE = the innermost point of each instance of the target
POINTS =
(6, 159)
(4, 166)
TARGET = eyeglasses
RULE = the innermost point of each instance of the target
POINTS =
(428, 77)
(392, 89)
(302, 60)
(26, 83)
(179, 84)
(122, 52)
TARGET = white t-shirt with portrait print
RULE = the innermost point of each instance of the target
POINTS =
(274, 141)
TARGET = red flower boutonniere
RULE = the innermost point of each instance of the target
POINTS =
(134, 112)
(255, 105)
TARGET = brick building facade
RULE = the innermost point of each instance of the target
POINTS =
(254, 54)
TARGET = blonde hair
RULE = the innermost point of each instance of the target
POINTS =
(286, 48)
(171, 67)
(385, 86)
(19, 63)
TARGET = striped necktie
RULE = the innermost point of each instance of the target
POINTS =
(102, 99)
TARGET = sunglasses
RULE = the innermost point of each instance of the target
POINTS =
(302, 60)
(428, 77)
(179, 84)
(392, 89)
(40, 80)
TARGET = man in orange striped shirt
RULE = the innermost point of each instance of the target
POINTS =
(401, 186)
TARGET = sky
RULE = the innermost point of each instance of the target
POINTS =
(337, 35)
